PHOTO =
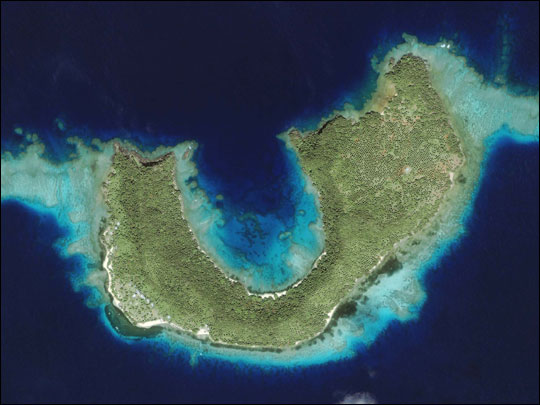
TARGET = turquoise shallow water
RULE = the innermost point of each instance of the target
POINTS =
(273, 244)
(268, 249)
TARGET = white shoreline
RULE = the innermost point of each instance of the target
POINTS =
(204, 332)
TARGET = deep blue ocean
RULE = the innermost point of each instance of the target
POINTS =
(232, 77)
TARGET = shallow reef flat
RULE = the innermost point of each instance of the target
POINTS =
(381, 178)
(394, 180)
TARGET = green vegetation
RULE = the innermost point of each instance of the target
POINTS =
(380, 179)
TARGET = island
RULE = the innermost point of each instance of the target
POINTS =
(382, 177)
